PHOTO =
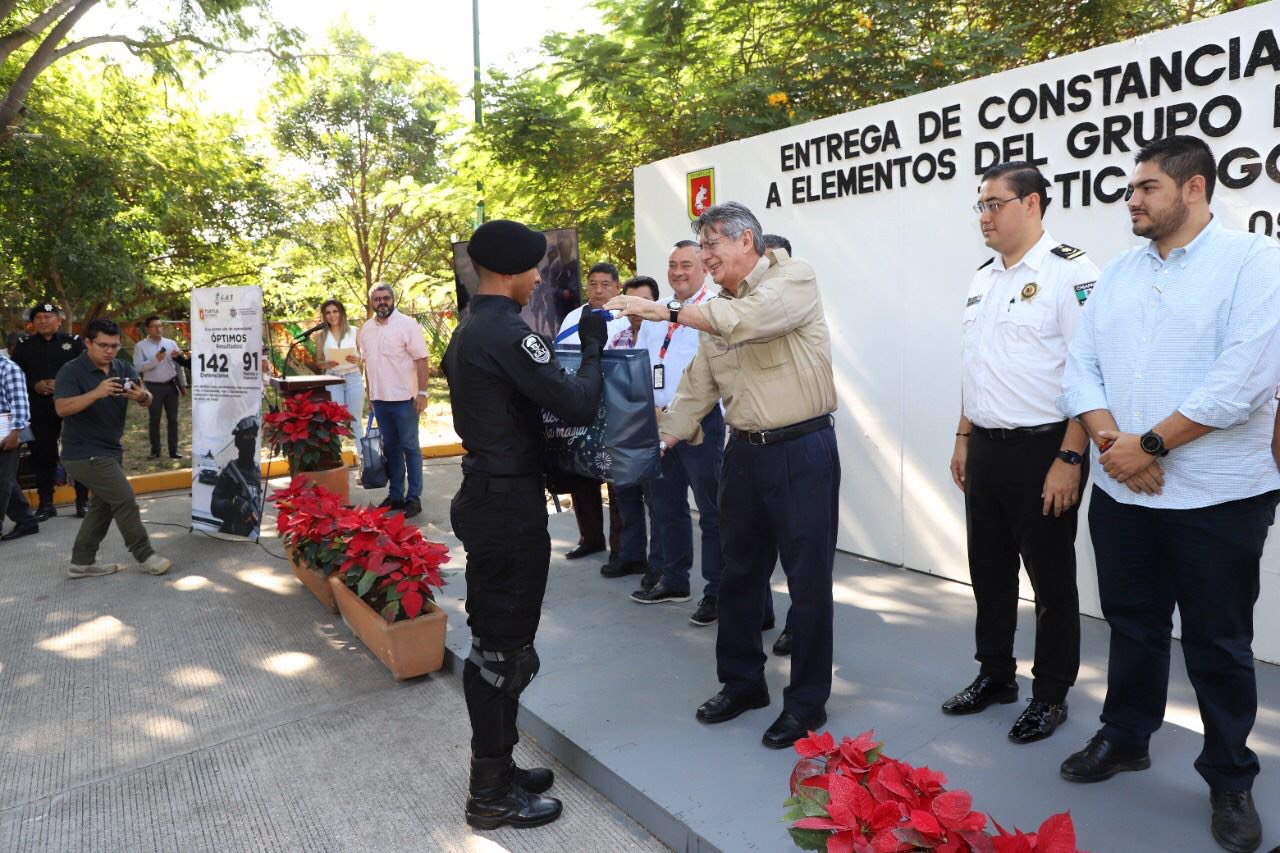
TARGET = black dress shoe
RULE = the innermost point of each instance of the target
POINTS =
(20, 531)
(707, 613)
(789, 728)
(650, 580)
(984, 691)
(391, 503)
(782, 645)
(498, 800)
(1038, 721)
(582, 549)
(155, 455)
(622, 568)
(1102, 759)
(724, 706)
(44, 512)
(1235, 825)
(412, 507)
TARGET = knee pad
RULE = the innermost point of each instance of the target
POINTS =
(509, 672)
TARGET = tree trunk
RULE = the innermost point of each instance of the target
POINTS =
(16, 96)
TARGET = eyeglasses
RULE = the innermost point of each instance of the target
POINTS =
(993, 206)
(711, 244)
(107, 347)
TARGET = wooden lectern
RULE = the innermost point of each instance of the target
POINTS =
(290, 385)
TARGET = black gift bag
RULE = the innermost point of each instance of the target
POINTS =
(373, 462)
(621, 444)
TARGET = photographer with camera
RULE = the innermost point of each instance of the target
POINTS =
(91, 394)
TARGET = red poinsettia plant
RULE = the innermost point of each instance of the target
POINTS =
(849, 797)
(380, 557)
(308, 431)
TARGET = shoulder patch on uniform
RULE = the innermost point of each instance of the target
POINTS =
(973, 300)
(1083, 290)
(1071, 253)
(533, 347)
(988, 262)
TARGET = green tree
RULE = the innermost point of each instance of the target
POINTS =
(368, 130)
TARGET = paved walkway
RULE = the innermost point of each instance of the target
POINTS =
(219, 708)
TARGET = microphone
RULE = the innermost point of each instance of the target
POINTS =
(308, 333)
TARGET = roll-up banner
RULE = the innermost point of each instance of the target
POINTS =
(226, 410)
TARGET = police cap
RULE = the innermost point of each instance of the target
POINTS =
(45, 307)
(248, 424)
(507, 247)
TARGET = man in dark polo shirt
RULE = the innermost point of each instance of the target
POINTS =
(91, 393)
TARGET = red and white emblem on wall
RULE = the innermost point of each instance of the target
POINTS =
(701, 186)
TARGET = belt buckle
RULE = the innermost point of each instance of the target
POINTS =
(764, 438)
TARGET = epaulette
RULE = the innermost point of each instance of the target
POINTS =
(1071, 253)
(988, 262)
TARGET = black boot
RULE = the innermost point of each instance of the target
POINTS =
(497, 801)
(535, 780)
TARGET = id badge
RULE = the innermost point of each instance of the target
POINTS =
(659, 382)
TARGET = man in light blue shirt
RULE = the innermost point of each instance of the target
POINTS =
(1173, 372)
(15, 416)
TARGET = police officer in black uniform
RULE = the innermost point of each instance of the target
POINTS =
(41, 356)
(237, 494)
(501, 376)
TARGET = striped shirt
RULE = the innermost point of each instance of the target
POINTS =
(1198, 333)
(13, 395)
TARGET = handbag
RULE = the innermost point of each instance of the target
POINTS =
(373, 462)
(620, 446)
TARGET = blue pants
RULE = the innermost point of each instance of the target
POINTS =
(632, 501)
(399, 424)
(779, 500)
(688, 466)
(1206, 561)
(351, 394)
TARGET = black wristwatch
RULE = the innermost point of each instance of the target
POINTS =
(674, 307)
(1153, 443)
(1070, 457)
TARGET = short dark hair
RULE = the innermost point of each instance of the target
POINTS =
(146, 323)
(101, 326)
(1182, 158)
(686, 244)
(1024, 179)
(777, 241)
(642, 281)
(604, 267)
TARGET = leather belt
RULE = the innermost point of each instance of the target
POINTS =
(786, 433)
(498, 483)
(999, 434)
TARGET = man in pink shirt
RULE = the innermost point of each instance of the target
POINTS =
(396, 372)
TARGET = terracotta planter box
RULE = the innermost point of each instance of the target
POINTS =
(333, 479)
(315, 581)
(409, 648)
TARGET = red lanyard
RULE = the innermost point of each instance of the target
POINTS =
(671, 327)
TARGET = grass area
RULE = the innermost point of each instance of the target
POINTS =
(435, 426)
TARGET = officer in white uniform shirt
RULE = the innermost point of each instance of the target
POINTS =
(1021, 466)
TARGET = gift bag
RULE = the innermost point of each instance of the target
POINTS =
(373, 463)
(620, 446)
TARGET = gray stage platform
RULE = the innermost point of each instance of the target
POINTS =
(620, 682)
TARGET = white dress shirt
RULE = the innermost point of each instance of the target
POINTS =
(681, 350)
(151, 369)
(568, 334)
(1017, 325)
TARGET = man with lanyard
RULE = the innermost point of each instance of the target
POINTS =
(767, 354)
(501, 376)
(602, 285)
(15, 416)
(156, 358)
(41, 356)
(671, 347)
(1017, 460)
(1172, 372)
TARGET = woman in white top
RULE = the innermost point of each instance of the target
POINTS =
(339, 336)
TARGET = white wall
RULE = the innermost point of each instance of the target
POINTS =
(894, 265)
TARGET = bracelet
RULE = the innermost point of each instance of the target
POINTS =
(962, 435)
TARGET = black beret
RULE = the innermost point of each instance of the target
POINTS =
(507, 247)
(42, 308)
